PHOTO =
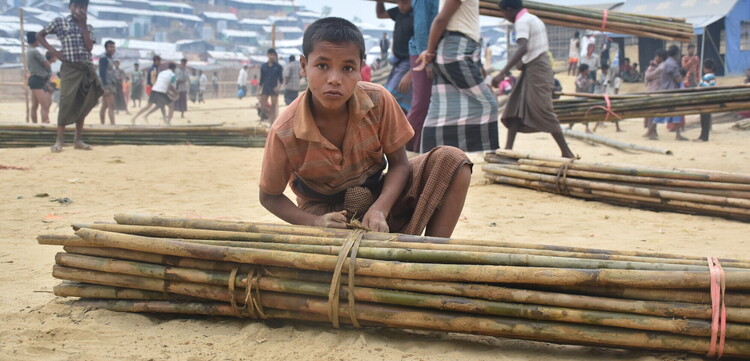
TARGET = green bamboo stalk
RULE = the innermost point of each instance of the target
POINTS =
(185, 233)
(243, 226)
(451, 303)
(470, 273)
(493, 293)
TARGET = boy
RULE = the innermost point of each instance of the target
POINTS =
(329, 146)
(271, 78)
(80, 85)
(164, 84)
(709, 79)
(584, 84)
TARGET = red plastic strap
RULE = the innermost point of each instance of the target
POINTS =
(607, 109)
(605, 14)
(718, 308)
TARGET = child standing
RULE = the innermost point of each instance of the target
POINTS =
(331, 145)
(584, 83)
(80, 86)
(709, 79)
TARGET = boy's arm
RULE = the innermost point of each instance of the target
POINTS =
(395, 181)
(283, 207)
(41, 36)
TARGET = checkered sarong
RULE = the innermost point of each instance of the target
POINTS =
(463, 111)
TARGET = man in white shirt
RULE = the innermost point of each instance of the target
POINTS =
(242, 82)
(164, 86)
(529, 108)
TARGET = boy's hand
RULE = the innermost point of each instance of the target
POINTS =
(57, 53)
(332, 220)
(375, 220)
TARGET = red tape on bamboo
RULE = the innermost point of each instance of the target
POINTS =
(605, 14)
(718, 308)
(607, 109)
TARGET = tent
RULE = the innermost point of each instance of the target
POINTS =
(711, 19)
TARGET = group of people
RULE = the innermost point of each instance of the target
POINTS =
(667, 71)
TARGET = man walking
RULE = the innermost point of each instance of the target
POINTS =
(291, 80)
(529, 108)
(270, 82)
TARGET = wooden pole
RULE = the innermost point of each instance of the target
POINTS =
(25, 65)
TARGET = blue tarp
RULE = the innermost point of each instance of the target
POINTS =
(737, 60)
(702, 13)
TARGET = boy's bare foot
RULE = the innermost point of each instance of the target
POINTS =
(82, 146)
(57, 148)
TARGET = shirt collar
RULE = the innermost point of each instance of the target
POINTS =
(304, 123)
(521, 13)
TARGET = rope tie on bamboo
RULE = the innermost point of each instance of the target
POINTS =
(252, 300)
(608, 109)
(561, 181)
(718, 308)
(351, 244)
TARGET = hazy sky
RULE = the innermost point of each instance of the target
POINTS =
(347, 9)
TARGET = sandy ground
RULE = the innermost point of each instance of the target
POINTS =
(221, 182)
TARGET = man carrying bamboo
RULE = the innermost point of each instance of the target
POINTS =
(80, 86)
(529, 108)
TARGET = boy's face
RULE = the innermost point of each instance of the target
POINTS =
(332, 72)
(77, 9)
(272, 57)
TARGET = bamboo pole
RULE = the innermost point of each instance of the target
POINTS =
(371, 250)
(470, 273)
(169, 232)
(451, 303)
(399, 317)
(243, 226)
(673, 301)
(733, 205)
(613, 143)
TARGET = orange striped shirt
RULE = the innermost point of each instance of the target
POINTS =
(297, 154)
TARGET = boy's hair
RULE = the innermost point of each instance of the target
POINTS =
(683, 71)
(183, 60)
(510, 4)
(673, 50)
(106, 43)
(604, 66)
(691, 46)
(709, 64)
(172, 65)
(271, 51)
(31, 37)
(577, 34)
(334, 30)
(291, 57)
(156, 58)
(661, 53)
(582, 68)
(48, 56)
(80, 2)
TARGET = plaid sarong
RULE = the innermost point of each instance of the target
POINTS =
(463, 110)
(80, 90)
(430, 175)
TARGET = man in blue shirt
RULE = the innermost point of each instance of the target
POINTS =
(271, 78)
(421, 82)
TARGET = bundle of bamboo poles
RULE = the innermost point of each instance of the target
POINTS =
(692, 191)
(592, 107)
(656, 27)
(566, 295)
(18, 136)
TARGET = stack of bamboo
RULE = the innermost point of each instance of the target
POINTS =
(555, 294)
(592, 107)
(691, 191)
(656, 27)
(18, 136)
